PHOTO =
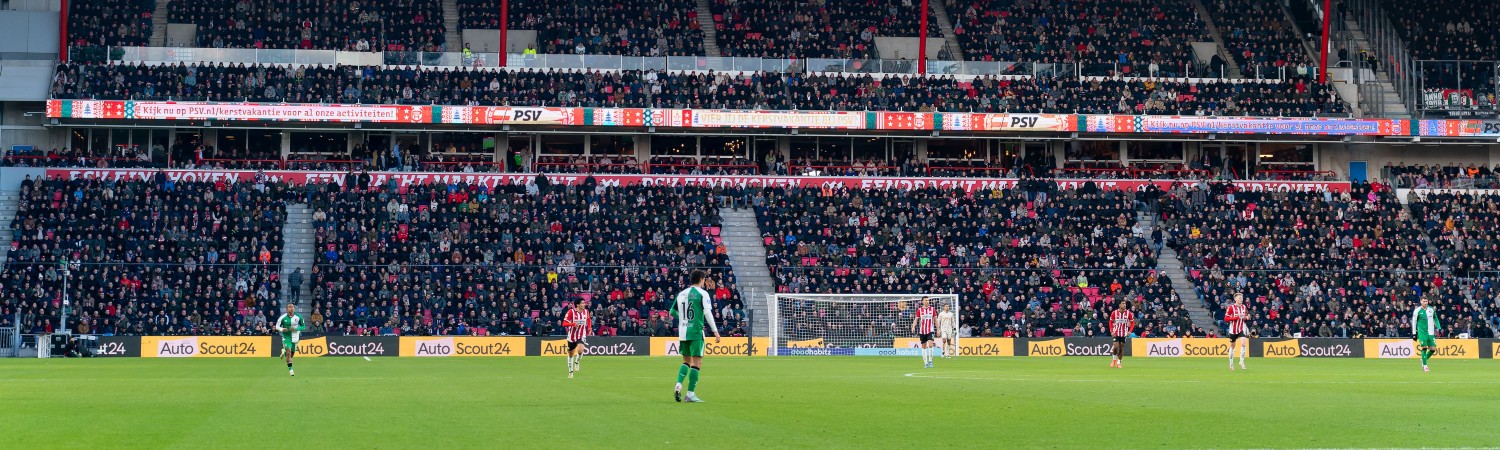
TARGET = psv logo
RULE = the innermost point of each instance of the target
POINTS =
(1023, 122)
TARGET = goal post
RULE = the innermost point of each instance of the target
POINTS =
(849, 324)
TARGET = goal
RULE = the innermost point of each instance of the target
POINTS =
(848, 324)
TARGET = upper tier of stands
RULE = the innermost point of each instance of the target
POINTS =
(1130, 37)
(656, 28)
(110, 22)
(658, 89)
(351, 25)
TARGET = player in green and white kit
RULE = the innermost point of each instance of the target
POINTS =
(691, 308)
(1424, 326)
(290, 325)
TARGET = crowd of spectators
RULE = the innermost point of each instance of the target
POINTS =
(1312, 264)
(348, 25)
(867, 19)
(1124, 37)
(1446, 29)
(663, 89)
(780, 30)
(110, 22)
(1442, 176)
(157, 257)
(1260, 38)
(1027, 261)
(597, 27)
(471, 259)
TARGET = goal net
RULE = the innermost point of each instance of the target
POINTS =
(849, 324)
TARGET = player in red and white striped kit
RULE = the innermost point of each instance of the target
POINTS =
(925, 324)
(1235, 318)
(578, 321)
(1121, 323)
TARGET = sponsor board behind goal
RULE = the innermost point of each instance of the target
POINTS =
(1180, 347)
(969, 346)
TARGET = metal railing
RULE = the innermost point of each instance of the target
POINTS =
(1390, 50)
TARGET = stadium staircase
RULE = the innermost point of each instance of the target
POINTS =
(710, 32)
(454, 42)
(159, 24)
(1213, 31)
(1169, 266)
(9, 202)
(1389, 102)
(297, 236)
(940, 14)
(747, 255)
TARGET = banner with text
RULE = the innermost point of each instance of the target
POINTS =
(1307, 348)
(594, 346)
(408, 179)
(1065, 346)
(117, 346)
(1006, 122)
(1245, 125)
(728, 346)
(1180, 347)
(206, 346)
(727, 118)
(970, 346)
(342, 346)
(446, 346)
(1407, 348)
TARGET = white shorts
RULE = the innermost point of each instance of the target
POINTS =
(945, 337)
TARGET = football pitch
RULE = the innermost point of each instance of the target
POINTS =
(800, 402)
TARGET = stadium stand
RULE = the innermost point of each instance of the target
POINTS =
(350, 25)
(666, 28)
(1311, 264)
(110, 22)
(1121, 37)
(657, 89)
(1451, 176)
(466, 259)
(150, 257)
(1432, 30)
(1260, 39)
(779, 29)
(1031, 261)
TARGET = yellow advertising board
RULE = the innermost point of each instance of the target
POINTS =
(460, 346)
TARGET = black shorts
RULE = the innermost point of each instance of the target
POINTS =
(925, 337)
(572, 345)
(1120, 339)
(1235, 337)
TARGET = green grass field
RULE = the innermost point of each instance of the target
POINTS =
(822, 402)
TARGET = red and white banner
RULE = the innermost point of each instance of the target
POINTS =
(968, 185)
